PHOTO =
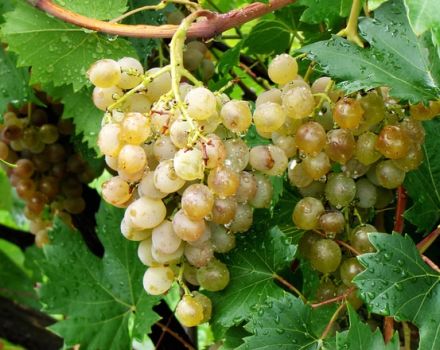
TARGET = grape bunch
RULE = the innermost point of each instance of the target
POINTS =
(187, 181)
(42, 165)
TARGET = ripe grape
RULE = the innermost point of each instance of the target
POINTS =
(298, 101)
(189, 164)
(332, 223)
(201, 103)
(242, 220)
(366, 194)
(306, 243)
(223, 210)
(325, 291)
(165, 178)
(158, 280)
(197, 201)
(116, 191)
(282, 69)
(247, 188)
(146, 212)
(325, 256)
(310, 138)
(359, 238)
(340, 145)
(167, 259)
(307, 212)
(131, 159)
(189, 311)
(179, 133)
(144, 253)
(389, 175)
(109, 139)
(269, 159)
(237, 154)
(164, 239)
(223, 182)
(340, 190)
(206, 304)
(263, 195)
(135, 128)
(199, 255)
(104, 97)
(186, 228)
(412, 160)
(192, 58)
(131, 73)
(269, 117)
(272, 95)
(159, 86)
(317, 166)
(348, 270)
(297, 174)
(236, 116)
(392, 142)
(163, 148)
(348, 113)
(104, 73)
(214, 151)
(214, 276)
(222, 241)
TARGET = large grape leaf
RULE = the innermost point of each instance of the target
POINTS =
(422, 185)
(99, 9)
(58, 52)
(396, 57)
(102, 299)
(396, 282)
(14, 82)
(268, 37)
(285, 323)
(360, 337)
(253, 265)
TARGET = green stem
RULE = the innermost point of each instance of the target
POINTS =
(351, 30)
(180, 280)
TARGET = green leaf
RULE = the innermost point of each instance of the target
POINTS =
(283, 324)
(99, 9)
(5, 6)
(259, 256)
(16, 284)
(423, 16)
(102, 299)
(395, 58)
(422, 184)
(360, 337)
(268, 37)
(230, 58)
(5, 190)
(14, 82)
(59, 53)
(327, 11)
(79, 106)
(396, 282)
(234, 338)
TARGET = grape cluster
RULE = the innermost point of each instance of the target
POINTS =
(44, 169)
(189, 183)
(186, 181)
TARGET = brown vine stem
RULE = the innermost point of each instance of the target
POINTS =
(176, 336)
(406, 336)
(333, 300)
(430, 263)
(400, 209)
(213, 25)
(289, 286)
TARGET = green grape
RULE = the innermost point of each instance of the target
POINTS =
(389, 175)
(214, 276)
(307, 212)
(175, 17)
(242, 220)
(282, 69)
(366, 194)
(325, 291)
(340, 190)
(222, 240)
(315, 190)
(414, 129)
(325, 256)
(297, 175)
(412, 160)
(206, 304)
(306, 243)
(349, 269)
(384, 197)
(223, 182)
(365, 151)
(207, 69)
(374, 111)
(298, 100)
(317, 166)
(189, 311)
(352, 297)
(269, 159)
(269, 117)
(104, 73)
(332, 223)
(192, 58)
(340, 145)
(359, 238)
(236, 116)
(354, 168)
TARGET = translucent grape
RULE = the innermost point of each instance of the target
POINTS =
(349, 269)
(164, 148)
(147, 188)
(179, 132)
(389, 175)
(298, 101)
(282, 69)
(132, 159)
(109, 139)
(264, 191)
(189, 164)
(392, 142)
(340, 190)
(158, 280)
(297, 174)
(197, 201)
(340, 145)
(272, 95)
(116, 191)
(159, 86)
(200, 255)
(132, 71)
(247, 188)
(242, 220)
(269, 159)
(366, 194)
(325, 256)
(104, 73)
(135, 128)
(146, 212)
(269, 117)
(201, 103)
(222, 241)
(236, 116)
(165, 178)
(286, 143)
(186, 228)
(223, 210)
(310, 138)
(365, 151)
(348, 113)
(307, 213)
(332, 223)
(144, 253)
(164, 238)
(359, 238)
(214, 276)
(237, 154)
(189, 311)
(104, 97)
(214, 151)
(223, 181)
(317, 166)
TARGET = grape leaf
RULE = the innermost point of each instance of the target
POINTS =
(79, 106)
(234, 338)
(360, 337)
(230, 58)
(5, 190)
(395, 58)
(327, 11)
(396, 282)
(99, 9)
(5, 6)
(102, 299)
(423, 16)
(58, 52)
(14, 82)
(253, 264)
(422, 183)
(16, 284)
(284, 323)
(268, 37)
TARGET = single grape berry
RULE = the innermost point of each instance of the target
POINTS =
(348, 113)
(307, 213)
(325, 256)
